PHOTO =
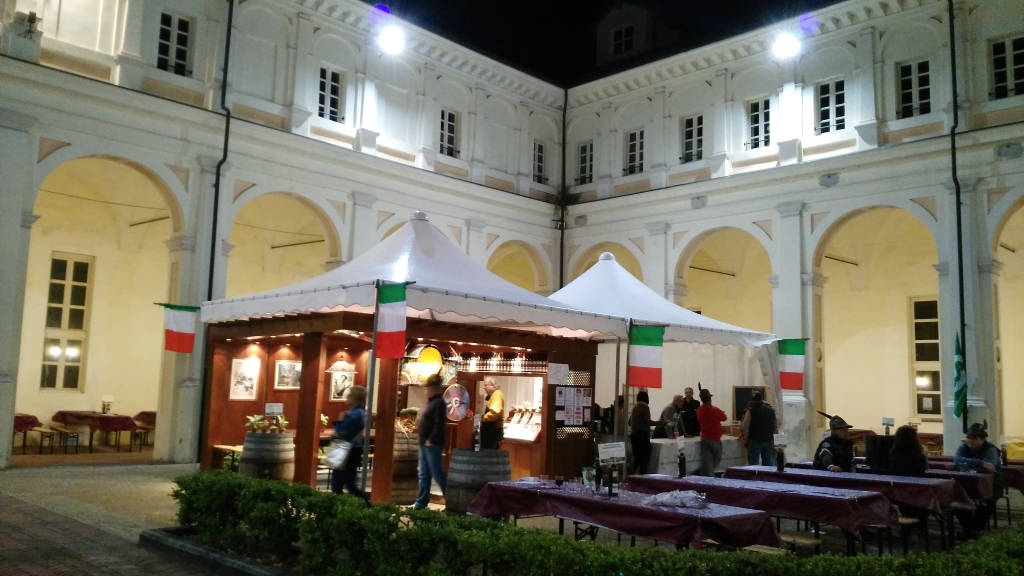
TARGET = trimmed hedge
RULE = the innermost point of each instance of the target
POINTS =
(323, 534)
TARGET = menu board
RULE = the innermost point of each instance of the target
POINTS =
(572, 405)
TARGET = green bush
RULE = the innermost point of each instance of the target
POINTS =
(323, 534)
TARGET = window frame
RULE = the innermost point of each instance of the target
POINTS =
(63, 335)
(171, 63)
(917, 104)
(633, 160)
(925, 366)
(1012, 68)
(449, 127)
(540, 162)
(697, 138)
(626, 42)
(836, 120)
(585, 162)
(763, 123)
(324, 109)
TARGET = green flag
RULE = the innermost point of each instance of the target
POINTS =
(959, 380)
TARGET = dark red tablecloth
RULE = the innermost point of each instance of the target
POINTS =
(847, 509)
(929, 493)
(1013, 476)
(947, 458)
(25, 422)
(96, 420)
(146, 417)
(728, 525)
(978, 486)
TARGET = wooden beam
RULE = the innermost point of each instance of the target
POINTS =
(384, 431)
(307, 429)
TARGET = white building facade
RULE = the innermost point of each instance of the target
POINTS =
(811, 197)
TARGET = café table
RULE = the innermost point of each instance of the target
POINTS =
(978, 486)
(840, 507)
(98, 421)
(1012, 472)
(626, 513)
(949, 458)
(23, 423)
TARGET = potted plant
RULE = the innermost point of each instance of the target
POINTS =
(269, 449)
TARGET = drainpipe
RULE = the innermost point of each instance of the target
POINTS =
(207, 353)
(563, 194)
(956, 189)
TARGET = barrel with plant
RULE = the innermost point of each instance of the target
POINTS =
(269, 450)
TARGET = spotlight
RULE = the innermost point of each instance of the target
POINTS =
(391, 39)
(785, 46)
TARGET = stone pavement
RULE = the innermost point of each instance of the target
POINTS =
(74, 520)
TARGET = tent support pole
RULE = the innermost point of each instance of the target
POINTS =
(370, 374)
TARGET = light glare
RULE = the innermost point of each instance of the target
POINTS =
(786, 45)
(391, 39)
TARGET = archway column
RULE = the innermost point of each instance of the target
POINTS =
(17, 143)
(789, 313)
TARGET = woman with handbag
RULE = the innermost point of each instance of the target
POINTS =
(349, 428)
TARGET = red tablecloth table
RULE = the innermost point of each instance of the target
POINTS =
(146, 417)
(25, 422)
(97, 421)
(978, 486)
(728, 525)
(846, 509)
(933, 494)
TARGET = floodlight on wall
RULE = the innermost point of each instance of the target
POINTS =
(785, 46)
(391, 39)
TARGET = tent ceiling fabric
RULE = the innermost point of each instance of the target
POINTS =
(608, 288)
(449, 286)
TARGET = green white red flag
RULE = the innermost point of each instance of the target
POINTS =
(180, 327)
(959, 379)
(791, 364)
(645, 352)
(390, 321)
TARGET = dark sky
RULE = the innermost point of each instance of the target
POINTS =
(554, 39)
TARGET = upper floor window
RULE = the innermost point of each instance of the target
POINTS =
(331, 104)
(831, 97)
(1007, 68)
(927, 384)
(64, 335)
(585, 163)
(538, 163)
(622, 40)
(759, 120)
(915, 89)
(692, 138)
(173, 52)
(634, 160)
(449, 133)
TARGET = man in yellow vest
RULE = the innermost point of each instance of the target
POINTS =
(493, 419)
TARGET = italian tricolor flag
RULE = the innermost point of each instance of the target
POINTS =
(179, 327)
(791, 364)
(645, 356)
(390, 321)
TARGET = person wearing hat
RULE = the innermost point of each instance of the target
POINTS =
(835, 453)
(977, 454)
(431, 429)
(710, 418)
(759, 428)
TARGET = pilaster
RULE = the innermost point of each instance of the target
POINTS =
(656, 249)
(718, 160)
(305, 77)
(476, 240)
(656, 149)
(364, 223)
(868, 70)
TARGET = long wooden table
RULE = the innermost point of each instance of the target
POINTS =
(728, 525)
(979, 486)
(116, 423)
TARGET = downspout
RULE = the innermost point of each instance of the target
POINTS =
(208, 353)
(563, 194)
(956, 189)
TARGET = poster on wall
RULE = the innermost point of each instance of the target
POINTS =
(340, 381)
(287, 375)
(245, 377)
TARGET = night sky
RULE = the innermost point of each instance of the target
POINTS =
(554, 39)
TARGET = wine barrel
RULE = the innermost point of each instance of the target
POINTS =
(404, 476)
(270, 456)
(469, 472)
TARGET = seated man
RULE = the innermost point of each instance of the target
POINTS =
(835, 453)
(978, 455)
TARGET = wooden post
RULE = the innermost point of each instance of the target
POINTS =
(307, 429)
(384, 435)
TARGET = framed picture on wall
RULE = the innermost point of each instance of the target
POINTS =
(287, 375)
(245, 378)
(340, 381)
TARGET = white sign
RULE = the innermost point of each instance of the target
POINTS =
(558, 374)
(611, 453)
(273, 409)
(779, 439)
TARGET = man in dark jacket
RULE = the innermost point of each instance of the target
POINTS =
(431, 433)
(759, 430)
(977, 454)
(835, 453)
(691, 426)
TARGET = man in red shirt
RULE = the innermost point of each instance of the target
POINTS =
(710, 418)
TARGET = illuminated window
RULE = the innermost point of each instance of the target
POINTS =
(174, 46)
(914, 97)
(331, 102)
(449, 133)
(927, 382)
(65, 333)
(693, 138)
(831, 106)
(759, 122)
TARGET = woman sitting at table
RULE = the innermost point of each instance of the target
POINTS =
(907, 457)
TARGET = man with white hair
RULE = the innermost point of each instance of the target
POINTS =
(493, 418)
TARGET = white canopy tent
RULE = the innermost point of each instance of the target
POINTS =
(608, 288)
(449, 286)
